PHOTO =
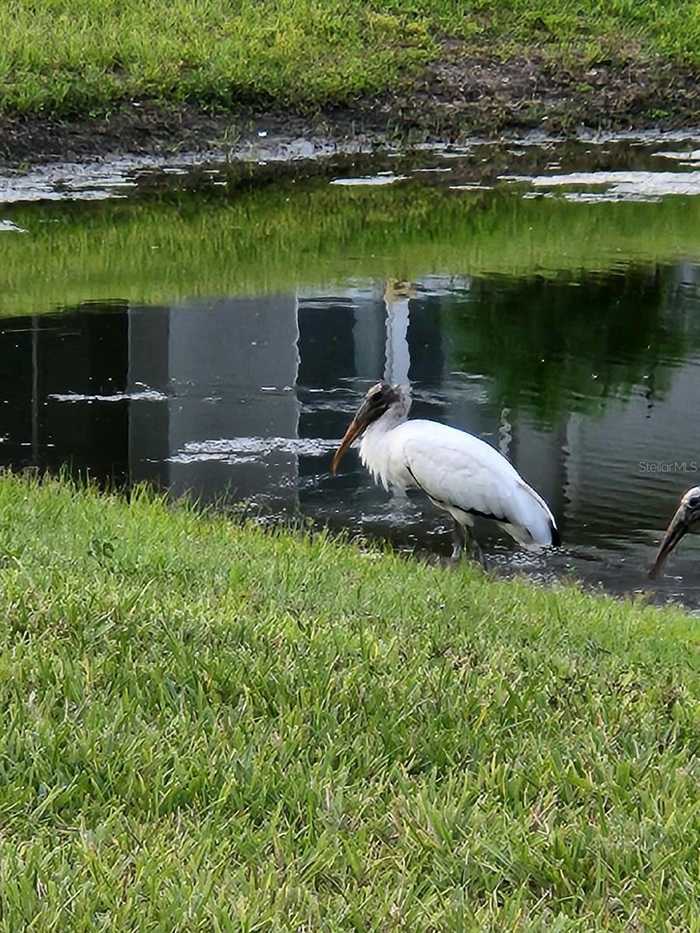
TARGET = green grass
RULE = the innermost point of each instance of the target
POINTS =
(71, 56)
(213, 727)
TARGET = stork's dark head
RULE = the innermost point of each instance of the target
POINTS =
(377, 402)
(687, 518)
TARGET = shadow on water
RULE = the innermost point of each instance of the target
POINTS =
(566, 333)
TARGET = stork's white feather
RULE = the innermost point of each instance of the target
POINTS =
(460, 473)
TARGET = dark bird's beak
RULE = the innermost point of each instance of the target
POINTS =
(355, 428)
(679, 527)
(375, 403)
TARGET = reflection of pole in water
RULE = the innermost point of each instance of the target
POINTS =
(505, 433)
(35, 391)
(397, 359)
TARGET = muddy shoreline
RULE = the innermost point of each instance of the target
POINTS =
(453, 99)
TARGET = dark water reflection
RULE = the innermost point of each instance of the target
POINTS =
(589, 383)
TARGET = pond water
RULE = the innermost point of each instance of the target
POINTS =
(211, 329)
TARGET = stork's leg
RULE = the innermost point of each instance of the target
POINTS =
(477, 553)
(459, 538)
(464, 541)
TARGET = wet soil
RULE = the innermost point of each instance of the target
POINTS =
(457, 96)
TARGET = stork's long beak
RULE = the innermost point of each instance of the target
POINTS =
(355, 428)
(679, 526)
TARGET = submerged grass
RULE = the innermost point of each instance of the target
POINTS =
(68, 56)
(209, 726)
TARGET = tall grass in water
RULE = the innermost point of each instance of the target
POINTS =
(290, 235)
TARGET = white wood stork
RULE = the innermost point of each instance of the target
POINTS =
(459, 473)
(686, 519)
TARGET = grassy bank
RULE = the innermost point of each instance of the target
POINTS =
(209, 727)
(73, 56)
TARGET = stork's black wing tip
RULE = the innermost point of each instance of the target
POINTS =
(556, 537)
